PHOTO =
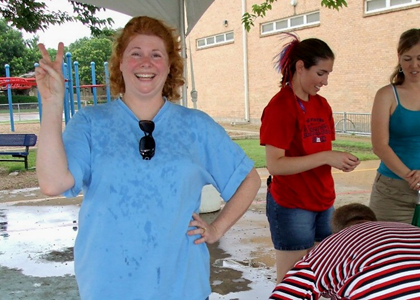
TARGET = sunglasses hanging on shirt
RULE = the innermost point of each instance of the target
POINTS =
(147, 143)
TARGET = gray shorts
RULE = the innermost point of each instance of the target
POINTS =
(392, 199)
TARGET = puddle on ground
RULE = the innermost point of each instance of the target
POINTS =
(243, 259)
(37, 242)
(30, 236)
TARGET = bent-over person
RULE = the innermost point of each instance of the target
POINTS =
(363, 259)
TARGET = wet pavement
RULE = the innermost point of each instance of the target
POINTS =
(37, 234)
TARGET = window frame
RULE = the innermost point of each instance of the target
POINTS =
(388, 6)
(289, 21)
(207, 39)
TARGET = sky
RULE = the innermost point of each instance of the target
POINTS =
(70, 32)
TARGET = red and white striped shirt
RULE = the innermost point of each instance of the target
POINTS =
(370, 261)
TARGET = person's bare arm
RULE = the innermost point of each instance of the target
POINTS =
(51, 163)
(383, 106)
(279, 164)
(234, 209)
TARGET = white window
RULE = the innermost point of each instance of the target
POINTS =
(383, 5)
(375, 5)
(312, 18)
(290, 23)
(218, 39)
(298, 21)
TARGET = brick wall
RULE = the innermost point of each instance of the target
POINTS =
(365, 49)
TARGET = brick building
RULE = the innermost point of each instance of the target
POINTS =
(234, 72)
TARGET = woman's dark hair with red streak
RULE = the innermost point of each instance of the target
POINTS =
(310, 51)
(154, 27)
(408, 40)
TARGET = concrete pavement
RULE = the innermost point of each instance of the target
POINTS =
(37, 235)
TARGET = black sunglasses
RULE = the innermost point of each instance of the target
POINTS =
(147, 143)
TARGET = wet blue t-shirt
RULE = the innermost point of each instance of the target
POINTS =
(132, 241)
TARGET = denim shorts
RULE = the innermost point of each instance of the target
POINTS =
(296, 229)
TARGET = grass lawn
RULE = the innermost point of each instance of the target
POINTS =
(18, 166)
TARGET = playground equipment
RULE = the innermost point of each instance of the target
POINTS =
(19, 83)
(16, 83)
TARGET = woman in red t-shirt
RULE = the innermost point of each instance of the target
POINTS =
(297, 131)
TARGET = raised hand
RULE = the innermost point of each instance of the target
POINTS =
(49, 76)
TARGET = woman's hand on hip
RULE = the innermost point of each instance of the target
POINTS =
(207, 232)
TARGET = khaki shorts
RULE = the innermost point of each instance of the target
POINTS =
(392, 199)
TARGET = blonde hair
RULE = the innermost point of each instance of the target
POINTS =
(148, 26)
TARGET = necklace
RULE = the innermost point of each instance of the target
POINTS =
(297, 99)
(301, 104)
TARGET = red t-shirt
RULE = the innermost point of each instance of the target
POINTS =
(300, 128)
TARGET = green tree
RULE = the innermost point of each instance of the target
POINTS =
(87, 50)
(260, 10)
(108, 33)
(32, 55)
(19, 54)
(33, 15)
